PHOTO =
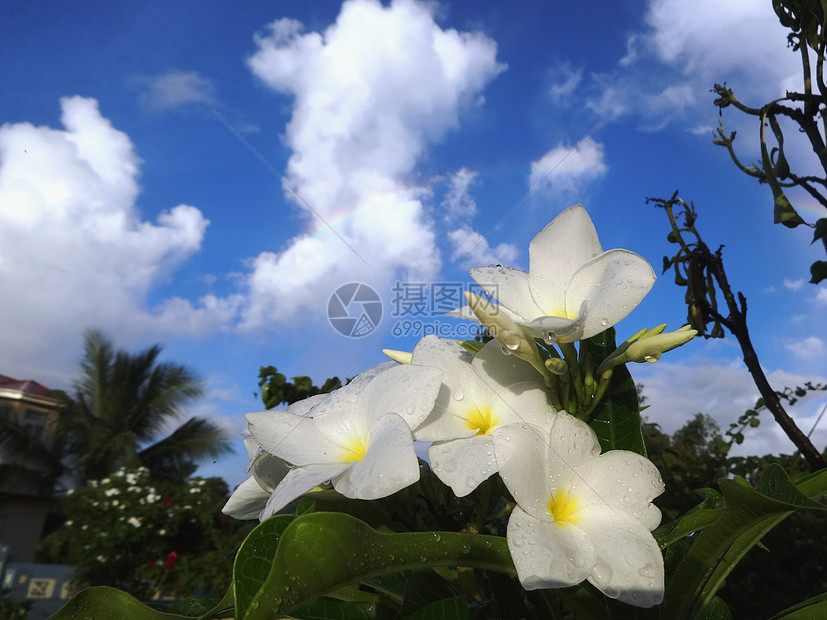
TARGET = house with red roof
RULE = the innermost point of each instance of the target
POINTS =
(25, 483)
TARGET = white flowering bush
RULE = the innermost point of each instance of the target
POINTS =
(146, 537)
(537, 497)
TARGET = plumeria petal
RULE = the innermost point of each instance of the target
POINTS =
(572, 291)
(510, 287)
(568, 495)
(463, 464)
(629, 564)
(389, 464)
(547, 555)
(556, 254)
(346, 397)
(268, 470)
(554, 328)
(614, 283)
(305, 406)
(519, 450)
(503, 371)
(631, 487)
(408, 390)
(469, 382)
(247, 501)
(516, 338)
(291, 437)
(299, 481)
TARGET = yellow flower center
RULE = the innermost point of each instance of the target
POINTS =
(354, 450)
(563, 508)
(561, 312)
(481, 420)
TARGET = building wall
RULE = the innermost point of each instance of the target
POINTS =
(23, 503)
(21, 524)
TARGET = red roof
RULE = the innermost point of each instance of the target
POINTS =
(28, 386)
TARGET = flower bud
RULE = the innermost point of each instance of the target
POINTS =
(402, 357)
(647, 346)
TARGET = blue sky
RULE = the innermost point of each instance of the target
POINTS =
(129, 202)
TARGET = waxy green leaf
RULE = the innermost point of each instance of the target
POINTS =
(320, 552)
(747, 516)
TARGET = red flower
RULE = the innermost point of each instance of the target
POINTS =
(165, 500)
(151, 563)
(172, 558)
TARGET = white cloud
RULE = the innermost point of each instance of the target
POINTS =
(564, 81)
(370, 93)
(677, 391)
(810, 347)
(468, 245)
(174, 89)
(685, 48)
(821, 295)
(567, 170)
(74, 250)
(458, 203)
(793, 285)
(471, 247)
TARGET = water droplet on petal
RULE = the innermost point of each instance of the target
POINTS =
(458, 395)
(604, 322)
(651, 358)
(512, 343)
(602, 574)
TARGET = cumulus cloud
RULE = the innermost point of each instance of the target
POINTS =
(369, 94)
(677, 391)
(811, 347)
(567, 170)
(684, 49)
(74, 250)
(468, 245)
(564, 81)
(793, 285)
(174, 89)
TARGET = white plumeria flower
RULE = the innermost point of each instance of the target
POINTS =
(359, 437)
(573, 289)
(581, 514)
(479, 393)
(267, 471)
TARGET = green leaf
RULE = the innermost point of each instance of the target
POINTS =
(508, 597)
(331, 609)
(584, 602)
(700, 517)
(820, 229)
(106, 602)
(254, 560)
(748, 515)
(616, 419)
(320, 552)
(421, 588)
(783, 211)
(812, 609)
(446, 608)
(818, 271)
(717, 610)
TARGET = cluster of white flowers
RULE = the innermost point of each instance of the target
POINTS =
(580, 515)
(134, 521)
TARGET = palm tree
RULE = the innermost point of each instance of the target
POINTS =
(121, 404)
